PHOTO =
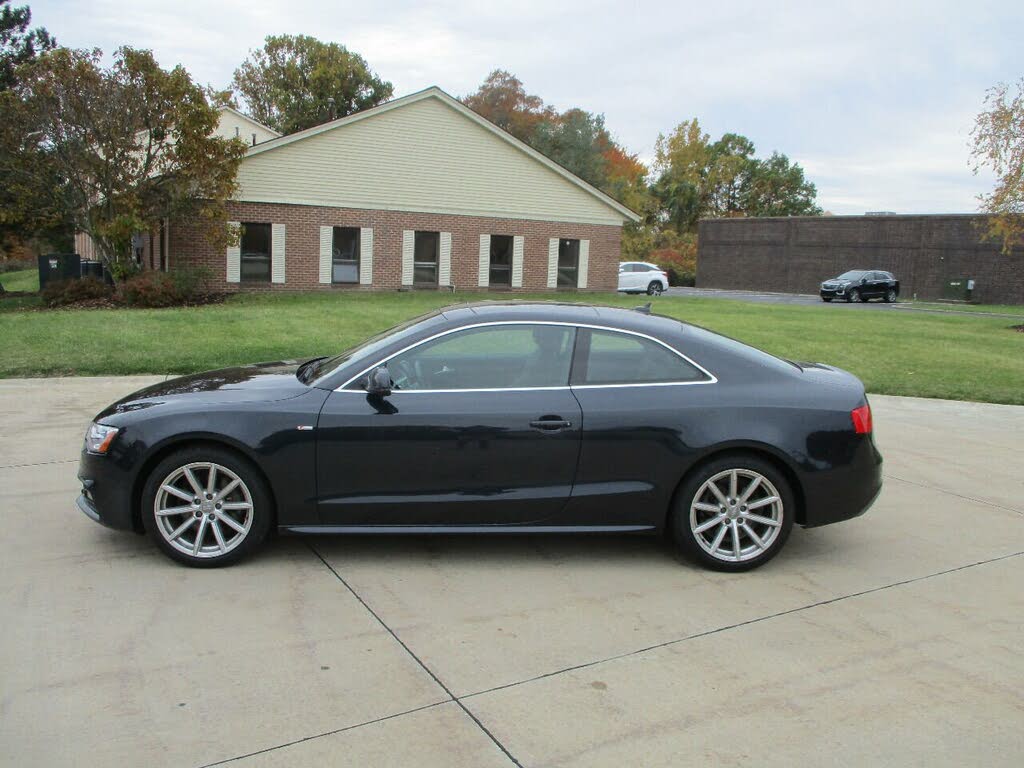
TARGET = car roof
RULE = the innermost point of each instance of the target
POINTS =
(565, 312)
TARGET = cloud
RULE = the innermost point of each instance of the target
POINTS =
(874, 98)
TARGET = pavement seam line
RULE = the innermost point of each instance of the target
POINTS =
(417, 659)
(954, 493)
(38, 463)
(740, 624)
(325, 733)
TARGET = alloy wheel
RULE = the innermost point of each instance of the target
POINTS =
(853, 296)
(890, 296)
(654, 289)
(203, 509)
(736, 515)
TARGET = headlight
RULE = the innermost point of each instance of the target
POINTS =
(99, 437)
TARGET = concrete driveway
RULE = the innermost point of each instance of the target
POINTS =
(894, 639)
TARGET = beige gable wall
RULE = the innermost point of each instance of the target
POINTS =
(229, 121)
(423, 156)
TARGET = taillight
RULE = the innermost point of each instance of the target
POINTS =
(861, 418)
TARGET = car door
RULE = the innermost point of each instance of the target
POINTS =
(641, 422)
(481, 428)
(627, 277)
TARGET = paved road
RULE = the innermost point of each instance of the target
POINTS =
(893, 639)
(810, 299)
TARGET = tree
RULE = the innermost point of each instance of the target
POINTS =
(130, 145)
(699, 178)
(777, 187)
(998, 144)
(576, 140)
(295, 82)
(18, 44)
(502, 99)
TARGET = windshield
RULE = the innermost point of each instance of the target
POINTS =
(318, 369)
(853, 274)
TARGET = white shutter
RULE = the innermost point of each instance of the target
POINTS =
(444, 267)
(366, 256)
(584, 264)
(326, 253)
(408, 244)
(277, 253)
(517, 261)
(553, 262)
(485, 261)
(234, 258)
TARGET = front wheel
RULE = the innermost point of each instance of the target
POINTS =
(733, 514)
(853, 296)
(205, 506)
(654, 289)
(890, 296)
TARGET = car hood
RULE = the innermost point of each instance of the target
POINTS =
(247, 383)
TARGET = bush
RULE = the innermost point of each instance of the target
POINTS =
(681, 264)
(60, 293)
(161, 289)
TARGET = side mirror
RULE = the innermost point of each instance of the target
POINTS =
(863, 281)
(378, 382)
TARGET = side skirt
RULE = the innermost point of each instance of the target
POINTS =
(378, 529)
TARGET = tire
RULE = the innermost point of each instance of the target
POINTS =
(654, 289)
(890, 296)
(827, 301)
(226, 535)
(715, 546)
(853, 296)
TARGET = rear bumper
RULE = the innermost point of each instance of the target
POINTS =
(844, 492)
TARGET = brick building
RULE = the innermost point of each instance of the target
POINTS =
(794, 255)
(420, 192)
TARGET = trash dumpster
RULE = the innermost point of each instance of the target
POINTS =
(958, 289)
(58, 266)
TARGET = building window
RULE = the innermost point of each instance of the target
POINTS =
(501, 261)
(568, 263)
(424, 261)
(345, 255)
(255, 253)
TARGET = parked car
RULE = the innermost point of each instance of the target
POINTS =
(641, 277)
(493, 418)
(861, 285)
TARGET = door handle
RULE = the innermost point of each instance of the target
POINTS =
(550, 424)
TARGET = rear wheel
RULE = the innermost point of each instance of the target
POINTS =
(733, 514)
(205, 506)
(853, 296)
(890, 296)
(654, 289)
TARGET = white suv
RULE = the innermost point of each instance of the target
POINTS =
(641, 277)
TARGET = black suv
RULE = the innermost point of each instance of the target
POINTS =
(861, 285)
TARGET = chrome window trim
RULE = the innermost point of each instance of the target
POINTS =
(712, 379)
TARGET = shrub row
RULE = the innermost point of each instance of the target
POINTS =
(146, 289)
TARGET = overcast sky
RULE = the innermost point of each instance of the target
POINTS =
(875, 99)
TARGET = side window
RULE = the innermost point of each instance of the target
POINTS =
(622, 358)
(492, 357)
(255, 258)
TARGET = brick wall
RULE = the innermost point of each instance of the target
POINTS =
(795, 255)
(189, 246)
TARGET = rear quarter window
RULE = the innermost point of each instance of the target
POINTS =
(611, 357)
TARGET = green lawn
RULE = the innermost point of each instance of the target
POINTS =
(1001, 309)
(22, 280)
(900, 353)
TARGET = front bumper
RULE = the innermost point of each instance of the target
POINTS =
(832, 293)
(106, 496)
